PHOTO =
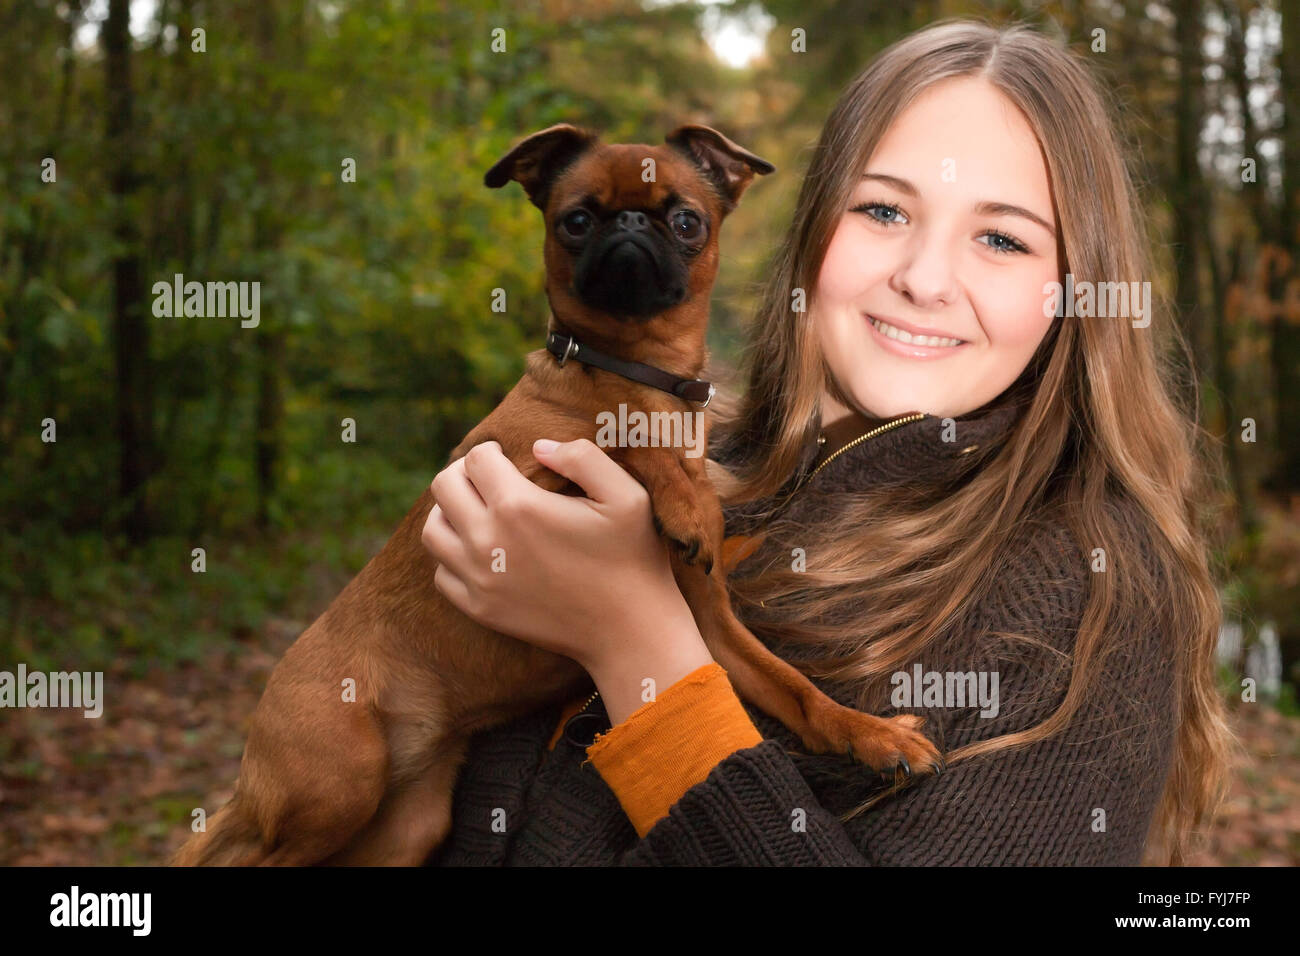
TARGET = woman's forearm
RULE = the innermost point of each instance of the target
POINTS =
(663, 646)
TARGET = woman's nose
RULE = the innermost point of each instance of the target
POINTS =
(925, 274)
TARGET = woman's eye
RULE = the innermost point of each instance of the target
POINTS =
(884, 213)
(1001, 242)
(576, 223)
(686, 224)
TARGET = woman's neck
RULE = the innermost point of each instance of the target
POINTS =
(841, 423)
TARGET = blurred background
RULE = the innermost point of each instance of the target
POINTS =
(212, 138)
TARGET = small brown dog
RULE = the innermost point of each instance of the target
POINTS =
(631, 254)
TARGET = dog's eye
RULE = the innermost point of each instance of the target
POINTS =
(686, 224)
(576, 224)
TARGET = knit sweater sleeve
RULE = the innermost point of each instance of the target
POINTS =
(670, 744)
(1083, 797)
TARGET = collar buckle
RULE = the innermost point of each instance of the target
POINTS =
(570, 348)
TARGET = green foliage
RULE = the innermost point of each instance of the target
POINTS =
(86, 601)
(375, 294)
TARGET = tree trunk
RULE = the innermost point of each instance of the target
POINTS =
(270, 341)
(130, 327)
(1285, 344)
(1186, 182)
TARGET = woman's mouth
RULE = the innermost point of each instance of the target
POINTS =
(911, 344)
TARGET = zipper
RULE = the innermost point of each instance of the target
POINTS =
(570, 734)
(878, 430)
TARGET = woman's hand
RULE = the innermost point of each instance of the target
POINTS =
(585, 577)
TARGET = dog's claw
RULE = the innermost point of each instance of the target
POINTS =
(690, 551)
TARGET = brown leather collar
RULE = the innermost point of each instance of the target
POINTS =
(564, 347)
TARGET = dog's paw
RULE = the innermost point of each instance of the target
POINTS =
(893, 746)
(687, 545)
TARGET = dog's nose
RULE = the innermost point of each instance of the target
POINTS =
(632, 220)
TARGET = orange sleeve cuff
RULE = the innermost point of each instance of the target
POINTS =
(672, 743)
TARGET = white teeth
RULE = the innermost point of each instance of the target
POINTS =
(934, 341)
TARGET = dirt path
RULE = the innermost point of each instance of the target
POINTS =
(120, 789)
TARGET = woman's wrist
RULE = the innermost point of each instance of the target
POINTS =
(661, 647)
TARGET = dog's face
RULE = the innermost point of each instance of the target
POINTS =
(631, 230)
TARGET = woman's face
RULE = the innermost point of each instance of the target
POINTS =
(931, 295)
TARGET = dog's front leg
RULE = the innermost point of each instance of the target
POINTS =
(692, 529)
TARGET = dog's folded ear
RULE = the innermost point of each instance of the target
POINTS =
(730, 167)
(537, 159)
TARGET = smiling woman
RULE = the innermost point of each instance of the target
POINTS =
(963, 176)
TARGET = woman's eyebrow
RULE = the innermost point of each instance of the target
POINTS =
(1007, 209)
(902, 185)
(985, 208)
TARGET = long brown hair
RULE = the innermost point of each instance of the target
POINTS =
(1099, 424)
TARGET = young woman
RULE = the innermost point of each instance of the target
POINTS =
(961, 500)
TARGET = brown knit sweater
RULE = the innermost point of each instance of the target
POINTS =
(1084, 797)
